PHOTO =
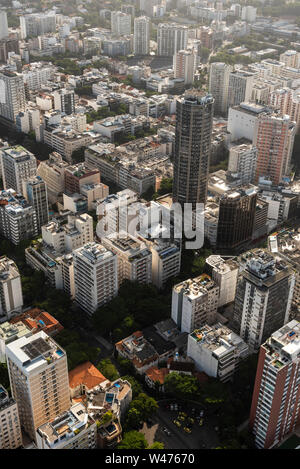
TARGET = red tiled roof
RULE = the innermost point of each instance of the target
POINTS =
(86, 374)
(157, 374)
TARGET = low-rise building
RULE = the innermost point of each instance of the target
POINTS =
(216, 350)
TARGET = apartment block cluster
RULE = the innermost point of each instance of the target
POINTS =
(91, 226)
(58, 410)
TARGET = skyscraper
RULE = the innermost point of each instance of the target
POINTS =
(171, 38)
(194, 120)
(38, 374)
(274, 139)
(12, 95)
(141, 36)
(263, 297)
(236, 217)
(218, 86)
(35, 192)
(3, 24)
(275, 410)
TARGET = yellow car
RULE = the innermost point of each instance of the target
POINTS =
(180, 417)
(200, 422)
(187, 430)
(191, 420)
(177, 423)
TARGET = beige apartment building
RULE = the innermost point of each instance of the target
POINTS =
(38, 374)
(10, 428)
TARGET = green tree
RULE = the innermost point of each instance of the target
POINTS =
(108, 369)
(133, 440)
(157, 445)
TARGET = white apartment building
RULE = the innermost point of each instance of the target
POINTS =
(134, 257)
(263, 296)
(10, 332)
(65, 238)
(52, 171)
(184, 64)
(95, 275)
(249, 14)
(28, 120)
(10, 428)
(36, 75)
(141, 36)
(18, 166)
(242, 162)
(11, 297)
(38, 374)
(12, 95)
(224, 272)
(120, 23)
(240, 87)
(114, 213)
(3, 24)
(64, 101)
(166, 261)
(194, 303)
(242, 119)
(218, 86)
(37, 24)
(73, 429)
(18, 219)
(171, 38)
(216, 351)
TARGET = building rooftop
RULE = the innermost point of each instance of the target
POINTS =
(284, 345)
(86, 374)
(32, 352)
(196, 287)
(66, 425)
(218, 339)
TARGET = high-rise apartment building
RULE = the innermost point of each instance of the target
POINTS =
(218, 86)
(35, 192)
(248, 13)
(242, 162)
(275, 410)
(17, 217)
(12, 95)
(236, 217)
(95, 275)
(184, 64)
(11, 297)
(240, 87)
(263, 297)
(291, 58)
(195, 303)
(120, 23)
(3, 24)
(10, 428)
(38, 374)
(18, 165)
(64, 101)
(171, 38)
(224, 273)
(141, 36)
(134, 257)
(37, 24)
(194, 119)
(77, 176)
(147, 6)
(274, 139)
(52, 171)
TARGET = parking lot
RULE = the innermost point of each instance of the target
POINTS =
(185, 433)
